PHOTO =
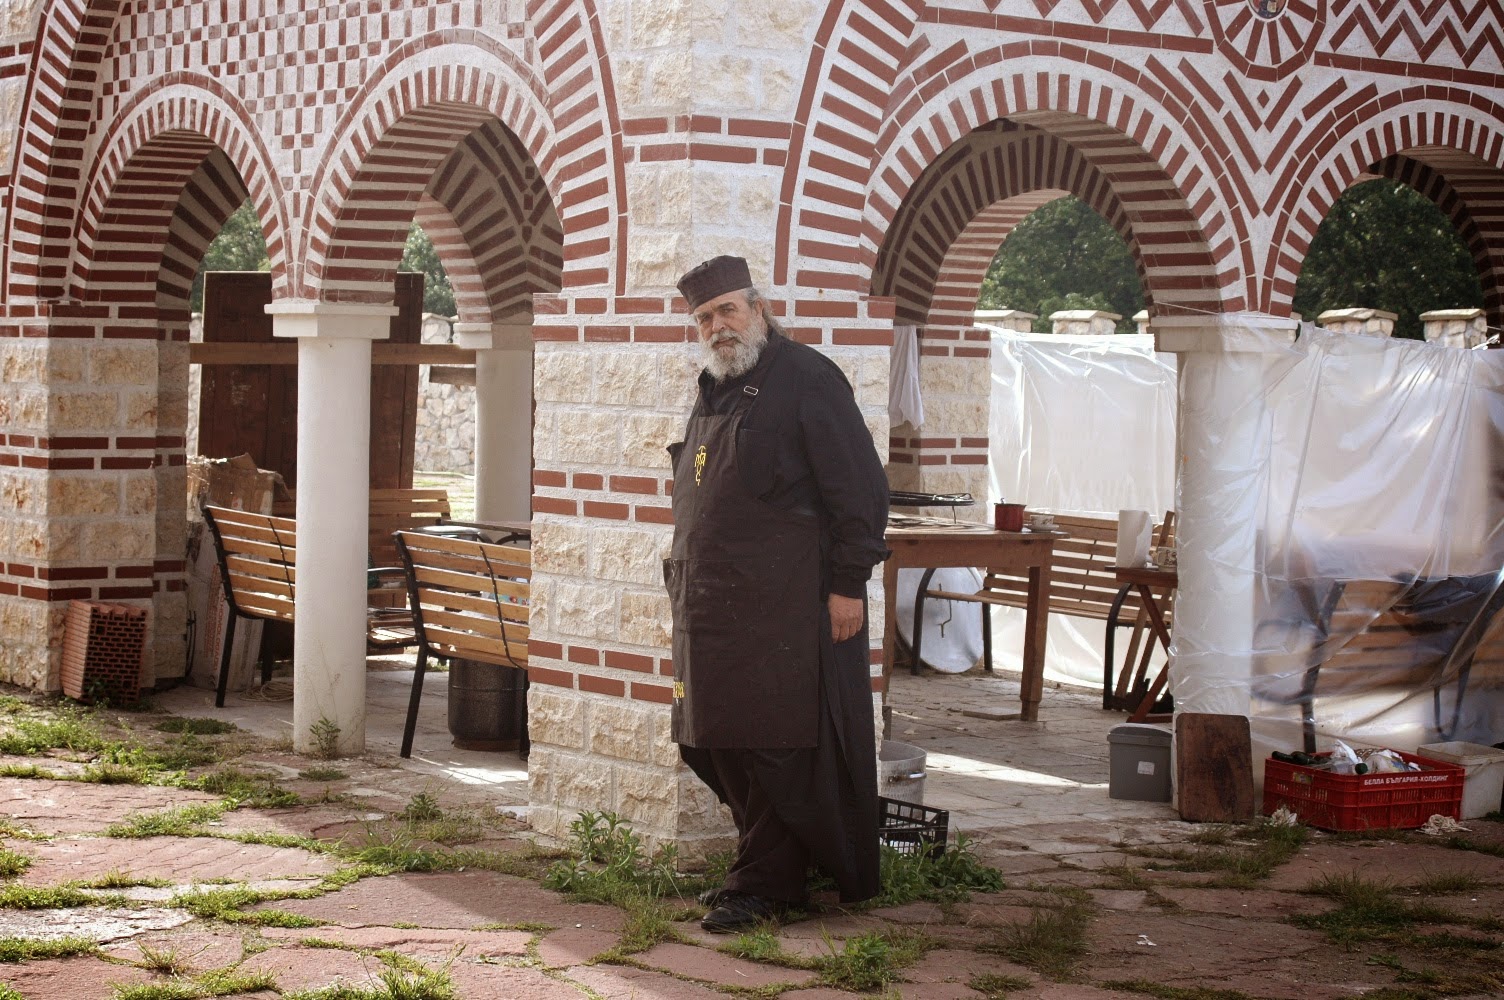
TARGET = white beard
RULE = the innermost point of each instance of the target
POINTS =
(742, 358)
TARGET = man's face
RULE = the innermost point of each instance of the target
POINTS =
(732, 334)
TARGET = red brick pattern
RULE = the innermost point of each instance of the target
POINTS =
(104, 648)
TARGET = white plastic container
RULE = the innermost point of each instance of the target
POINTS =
(1484, 785)
(900, 772)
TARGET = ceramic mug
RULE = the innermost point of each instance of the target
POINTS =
(1042, 522)
(1165, 556)
(1008, 517)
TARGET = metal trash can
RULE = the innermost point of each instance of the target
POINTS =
(487, 706)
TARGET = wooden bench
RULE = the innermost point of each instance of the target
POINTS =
(258, 569)
(469, 601)
(1082, 585)
(1376, 634)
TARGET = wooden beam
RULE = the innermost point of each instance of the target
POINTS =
(286, 353)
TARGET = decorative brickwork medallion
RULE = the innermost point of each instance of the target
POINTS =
(1267, 39)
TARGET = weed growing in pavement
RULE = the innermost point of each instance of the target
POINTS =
(1163, 992)
(402, 979)
(325, 735)
(55, 897)
(869, 962)
(322, 774)
(198, 727)
(117, 879)
(25, 771)
(996, 986)
(214, 983)
(762, 945)
(1370, 910)
(229, 904)
(259, 790)
(164, 960)
(12, 863)
(184, 821)
(68, 731)
(951, 877)
(1053, 940)
(421, 808)
(1243, 856)
(1445, 883)
(31, 950)
(608, 865)
(6, 993)
(1460, 843)
(1431, 984)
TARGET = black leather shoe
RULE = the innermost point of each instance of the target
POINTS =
(710, 897)
(736, 912)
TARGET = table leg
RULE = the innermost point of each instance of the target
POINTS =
(1036, 630)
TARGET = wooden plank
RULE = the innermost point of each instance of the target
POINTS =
(285, 353)
(496, 553)
(428, 578)
(1213, 768)
(491, 629)
(436, 602)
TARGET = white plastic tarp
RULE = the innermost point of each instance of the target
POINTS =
(1379, 540)
(1083, 425)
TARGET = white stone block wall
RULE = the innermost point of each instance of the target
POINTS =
(1085, 322)
(1360, 322)
(1455, 327)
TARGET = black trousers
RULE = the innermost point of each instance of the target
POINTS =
(771, 860)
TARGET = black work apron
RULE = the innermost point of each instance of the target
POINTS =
(744, 583)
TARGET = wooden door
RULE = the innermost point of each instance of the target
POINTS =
(253, 409)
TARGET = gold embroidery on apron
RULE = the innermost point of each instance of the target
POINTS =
(678, 689)
(699, 463)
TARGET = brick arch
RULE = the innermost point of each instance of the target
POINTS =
(70, 41)
(402, 125)
(494, 226)
(171, 169)
(942, 240)
(1463, 144)
(1142, 144)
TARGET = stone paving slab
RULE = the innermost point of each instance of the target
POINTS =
(481, 981)
(1260, 903)
(610, 982)
(946, 966)
(717, 967)
(197, 949)
(68, 807)
(177, 859)
(426, 943)
(97, 923)
(313, 968)
(83, 978)
(571, 946)
(452, 899)
(1383, 861)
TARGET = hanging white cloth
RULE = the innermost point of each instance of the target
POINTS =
(904, 401)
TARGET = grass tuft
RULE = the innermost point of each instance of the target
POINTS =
(1053, 940)
(322, 773)
(184, 821)
(869, 962)
(996, 986)
(30, 950)
(198, 727)
(12, 863)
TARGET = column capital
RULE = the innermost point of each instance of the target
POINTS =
(1223, 333)
(331, 320)
(512, 336)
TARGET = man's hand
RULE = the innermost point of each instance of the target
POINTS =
(846, 616)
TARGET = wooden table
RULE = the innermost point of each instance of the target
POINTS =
(926, 543)
(1146, 580)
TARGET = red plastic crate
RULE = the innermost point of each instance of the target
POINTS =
(1365, 801)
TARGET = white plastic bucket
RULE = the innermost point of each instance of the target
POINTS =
(900, 772)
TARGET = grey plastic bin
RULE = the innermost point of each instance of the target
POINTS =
(1140, 763)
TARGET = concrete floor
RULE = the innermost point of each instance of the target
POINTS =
(994, 775)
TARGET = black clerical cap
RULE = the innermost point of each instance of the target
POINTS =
(715, 277)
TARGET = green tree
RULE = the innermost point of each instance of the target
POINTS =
(1064, 256)
(419, 255)
(240, 246)
(1386, 246)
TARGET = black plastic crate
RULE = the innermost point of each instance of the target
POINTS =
(910, 828)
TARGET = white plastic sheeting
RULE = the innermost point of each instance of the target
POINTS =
(1082, 425)
(1375, 503)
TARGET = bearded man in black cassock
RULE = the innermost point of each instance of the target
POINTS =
(780, 502)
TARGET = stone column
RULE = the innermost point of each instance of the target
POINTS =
(1220, 483)
(1455, 327)
(334, 444)
(1085, 322)
(1361, 322)
(503, 418)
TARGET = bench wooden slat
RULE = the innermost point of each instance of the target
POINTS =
(497, 553)
(477, 563)
(491, 630)
(465, 643)
(476, 604)
(473, 582)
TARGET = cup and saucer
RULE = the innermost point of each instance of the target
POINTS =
(1041, 522)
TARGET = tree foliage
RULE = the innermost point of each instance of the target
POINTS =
(1064, 256)
(241, 246)
(1386, 246)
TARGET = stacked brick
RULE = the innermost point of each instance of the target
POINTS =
(104, 649)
